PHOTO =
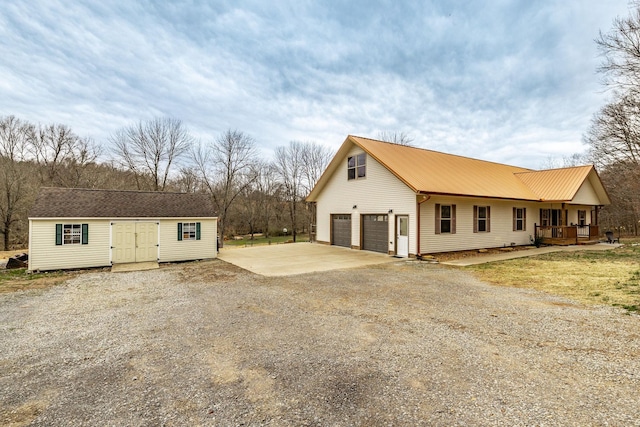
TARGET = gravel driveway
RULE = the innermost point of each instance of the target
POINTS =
(397, 344)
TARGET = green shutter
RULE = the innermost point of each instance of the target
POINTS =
(197, 231)
(85, 234)
(179, 231)
(58, 234)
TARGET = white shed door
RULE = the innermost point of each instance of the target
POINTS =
(134, 242)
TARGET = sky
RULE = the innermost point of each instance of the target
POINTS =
(508, 81)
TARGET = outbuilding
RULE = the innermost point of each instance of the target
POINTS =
(80, 228)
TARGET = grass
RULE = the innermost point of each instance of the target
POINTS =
(592, 277)
(261, 240)
(18, 279)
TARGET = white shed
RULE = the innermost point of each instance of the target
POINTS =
(80, 228)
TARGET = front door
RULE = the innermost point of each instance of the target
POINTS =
(134, 242)
(402, 235)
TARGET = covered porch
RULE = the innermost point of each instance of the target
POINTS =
(567, 234)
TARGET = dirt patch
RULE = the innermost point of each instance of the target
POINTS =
(19, 280)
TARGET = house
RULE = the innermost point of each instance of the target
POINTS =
(408, 201)
(79, 228)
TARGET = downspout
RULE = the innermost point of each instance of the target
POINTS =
(420, 202)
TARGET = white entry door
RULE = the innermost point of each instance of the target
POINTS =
(134, 242)
(402, 235)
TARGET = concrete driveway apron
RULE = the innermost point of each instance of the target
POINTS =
(299, 258)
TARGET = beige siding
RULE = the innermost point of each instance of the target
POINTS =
(172, 249)
(379, 192)
(586, 195)
(44, 254)
(572, 214)
(501, 233)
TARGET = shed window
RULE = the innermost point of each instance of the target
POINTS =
(72, 234)
(188, 231)
(356, 166)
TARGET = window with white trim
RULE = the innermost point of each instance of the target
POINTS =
(445, 219)
(72, 234)
(482, 219)
(519, 219)
(188, 231)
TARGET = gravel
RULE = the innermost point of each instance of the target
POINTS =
(405, 343)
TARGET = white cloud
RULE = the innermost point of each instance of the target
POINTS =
(508, 82)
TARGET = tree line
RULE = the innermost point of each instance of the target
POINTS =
(614, 134)
(250, 194)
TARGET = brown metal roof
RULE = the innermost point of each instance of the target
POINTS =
(86, 203)
(433, 172)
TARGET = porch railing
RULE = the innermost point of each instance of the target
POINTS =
(566, 234)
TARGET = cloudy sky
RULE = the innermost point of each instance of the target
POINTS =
(502, 80)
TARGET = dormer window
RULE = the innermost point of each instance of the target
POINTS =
(356, 166)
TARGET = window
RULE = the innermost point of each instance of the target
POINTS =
(72, 234)
(519, 219)
(445, 219)
(582, 218)
(545, 217)
(356, 166)
(188, 231)
(481, 219)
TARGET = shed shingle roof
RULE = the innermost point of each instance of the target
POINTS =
(87, 203)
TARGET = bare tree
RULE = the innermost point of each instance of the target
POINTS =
(622, 181)
(226, 169)
(260, 199)
(614, 134)
(621, 50)
(315, 158)
(151, 149)
(289, 163)
(400, 138)
(188, 180)
(16, 174)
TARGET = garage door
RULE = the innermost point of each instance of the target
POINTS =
(341, 230)
(375, 233)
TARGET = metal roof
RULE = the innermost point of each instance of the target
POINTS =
(433, 172)
(556, 184)
(88, 203)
